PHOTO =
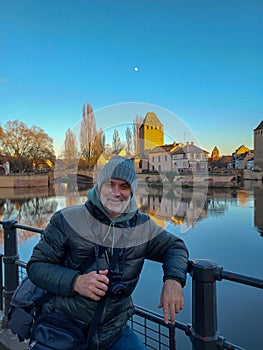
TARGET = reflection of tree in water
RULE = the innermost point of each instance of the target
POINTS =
(37, 211)
(31, 211)
(218, 201)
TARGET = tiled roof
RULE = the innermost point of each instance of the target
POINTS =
(189, 149)
(152, 119)
(163, 148)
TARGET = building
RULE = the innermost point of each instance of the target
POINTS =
(190, 158)
(160, 158)
(215, 154)
(258, 147)
(244, 161)
(151, 133)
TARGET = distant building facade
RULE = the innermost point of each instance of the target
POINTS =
(215, 154)
(190, 158)
(258, 147)
(160, 157)
(151, 133)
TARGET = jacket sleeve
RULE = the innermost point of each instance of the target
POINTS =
(46, 267)
(171, 251)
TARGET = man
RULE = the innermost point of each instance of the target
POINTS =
(109, 219)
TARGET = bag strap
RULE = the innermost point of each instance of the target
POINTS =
(96, 319)
(101, 302)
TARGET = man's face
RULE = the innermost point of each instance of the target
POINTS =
(115, 195)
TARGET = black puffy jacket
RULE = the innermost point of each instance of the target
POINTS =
(70, 238)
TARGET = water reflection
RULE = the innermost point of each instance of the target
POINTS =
(175, 206)
(258, 210)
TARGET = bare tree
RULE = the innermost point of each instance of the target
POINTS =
(87, 133)
(116, 141)
(99, 144)
(129, 140)
(136, 136)
(70, 146)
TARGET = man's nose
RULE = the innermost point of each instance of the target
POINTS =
(116, 190)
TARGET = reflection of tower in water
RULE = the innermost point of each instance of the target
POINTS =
(258, 205)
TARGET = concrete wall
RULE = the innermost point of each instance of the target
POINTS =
(19, 180)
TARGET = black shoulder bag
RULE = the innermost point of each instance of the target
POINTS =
(47, 331)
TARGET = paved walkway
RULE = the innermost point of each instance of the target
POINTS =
(9, 341)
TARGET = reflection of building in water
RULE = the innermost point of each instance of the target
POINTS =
(242, 197)
(176, 205)
(258, 205)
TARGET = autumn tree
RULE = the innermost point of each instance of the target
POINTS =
(26, 147)
(70, 146)
(41, 149)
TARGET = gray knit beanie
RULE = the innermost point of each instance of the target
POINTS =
(119, 168)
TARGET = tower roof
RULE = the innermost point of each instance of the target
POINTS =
(152, 119)
(260, 126)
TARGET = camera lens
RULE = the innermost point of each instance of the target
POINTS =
(118, 290)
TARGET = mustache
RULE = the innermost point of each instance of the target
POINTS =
(117, 199)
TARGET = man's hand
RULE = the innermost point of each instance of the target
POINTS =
(172, 300)
(92, 285)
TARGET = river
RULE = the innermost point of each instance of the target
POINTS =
(224, 225)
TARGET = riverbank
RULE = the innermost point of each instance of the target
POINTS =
(24, 180)
(213, 180)
(234, 179)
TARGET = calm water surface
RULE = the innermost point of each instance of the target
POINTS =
(226, 227)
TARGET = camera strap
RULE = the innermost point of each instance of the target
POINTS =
(113, 262)
(101, 303)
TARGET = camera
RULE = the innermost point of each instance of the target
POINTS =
(116, 288)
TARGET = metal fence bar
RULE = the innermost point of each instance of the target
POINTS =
(10, 268)
(238, 278)
(1, 282)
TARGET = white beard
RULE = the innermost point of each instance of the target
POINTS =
(114, 205)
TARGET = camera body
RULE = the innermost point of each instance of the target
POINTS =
(116, 288)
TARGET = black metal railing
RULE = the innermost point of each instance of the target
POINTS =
(203, 332)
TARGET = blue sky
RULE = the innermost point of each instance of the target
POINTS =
(200, 61)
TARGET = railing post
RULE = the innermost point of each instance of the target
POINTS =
(204, 334)
(10, 268)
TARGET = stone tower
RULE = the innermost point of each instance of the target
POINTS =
(215, 154)
(258, 147)
(151, 133)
